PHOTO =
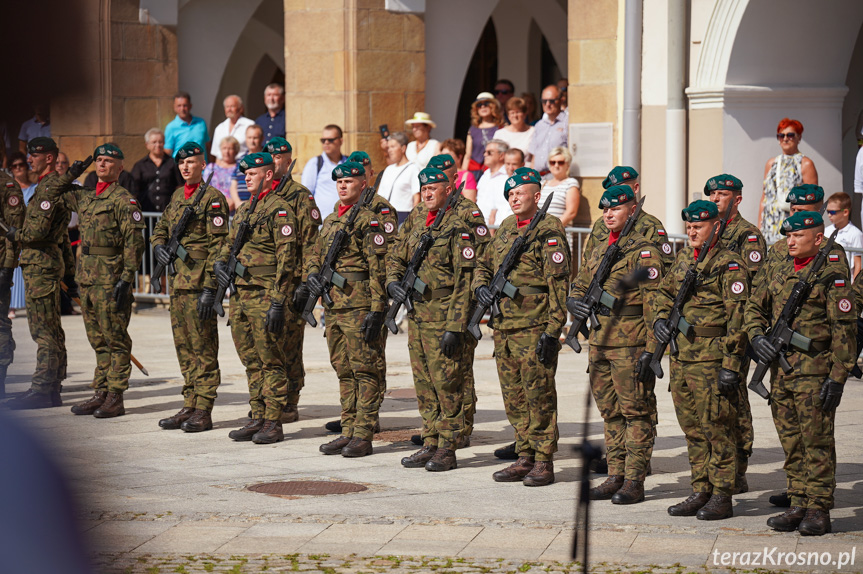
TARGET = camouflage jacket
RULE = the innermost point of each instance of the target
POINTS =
(386, 214)
(715, 309)
(112, 239)
(828, 318)
(744, 239)
(646, 225)
(271, 250)
(203, 239)
(468, 211)
(778, 253)
(629, 323)
(362, 261)
(447, 271)
(12, 213)
(857, 291)
(302, 203)
(544, 266)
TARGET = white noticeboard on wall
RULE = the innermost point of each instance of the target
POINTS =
(592, 147)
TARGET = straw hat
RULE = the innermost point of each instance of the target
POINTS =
(421, 118)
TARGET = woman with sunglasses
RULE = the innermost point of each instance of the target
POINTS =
(789, 169)
(486, 117)
(567, 195)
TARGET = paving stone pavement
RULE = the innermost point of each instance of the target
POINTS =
(164, 501)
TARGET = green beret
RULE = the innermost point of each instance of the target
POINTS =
(521, 176)
(700, 210)
(188, 149)
(432, 175)
(616, 195)
(442, 161)
(618, 175)
(805, 194)
(277, 145)
(360, 157)
(41, 145)
(259, 159)
(723, 181)
(348, 169)
(109, 150)
(801, 220)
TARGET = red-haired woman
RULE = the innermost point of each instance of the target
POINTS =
(781, 173)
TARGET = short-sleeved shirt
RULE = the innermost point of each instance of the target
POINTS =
(273, 126)
(224, 130)
(178, 132)
(848, 236)
(33, 129)
(548, 135)
(320, 182)
(398, 185)
(489, 191)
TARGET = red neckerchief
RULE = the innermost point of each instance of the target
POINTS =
(41, 177)
(730, 219)
(189, 190)
(264, 194)
(430, 217)
(612, 236)
(276, 183)
(102, 186)
(519, 224)
(801, 263)
(343, 209)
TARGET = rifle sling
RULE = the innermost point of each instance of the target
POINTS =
(40, 245)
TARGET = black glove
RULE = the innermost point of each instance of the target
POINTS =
(275, 319)
(579, 309)
(122, 293)
(396, 291)
(315, 283)
(484, 296)
(831, 394)
(78, 167)
(301, 296)
(645, 373)
(71, 287)
(6, 275)
(547, 349)
(10, 235)
(450, 343)
(162, 255)
(223, 276)
(662, 330)
(205, 304)
(765, 352)
(372, 325)
(728, 382)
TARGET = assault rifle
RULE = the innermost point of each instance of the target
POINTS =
(781, 335)
(410, 280)
(500, 285)
(173, 246)
(596, 295)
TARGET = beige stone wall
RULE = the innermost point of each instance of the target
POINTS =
(131, 72)
(351, 63)
(705, 149)
(653, 159)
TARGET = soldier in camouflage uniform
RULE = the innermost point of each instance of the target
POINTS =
(12, 215)
(527, 333)
(803, 402)
(437, 326)
(267, 276)
(40, 237)
(355, 319)
(705, 380)
(193, 288)
(620, 377)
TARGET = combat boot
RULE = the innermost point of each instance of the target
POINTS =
(112, 407)
(607, 489)
(420, 457)
(248, 431)
(200, 421)
(718, 507)
(271, 432)
(30, 400)
(176, 421)
(815, 523)
(741, 485)
(56, 400)
(691, 505)
(335, 446)
(290, 414)
(788, 520)
(3, 369)
(542, 474)
(631, 493)
(516, 471)
(781, 500)
(334, 426)
(443, 460)
(357, 447)
(89, 406)
(506, 453)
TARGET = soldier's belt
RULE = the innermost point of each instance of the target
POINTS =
(625, 311)
(815, 347)
(526, 290)
(355, 276)
(197, 255)
(708, 331)
(95, 250)
(431, 294)
(260, 270)
(40, 245)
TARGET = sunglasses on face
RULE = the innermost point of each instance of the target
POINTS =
(483, 104)
(328, 140)
(789, 135)
(18, 164)
(834, 211)
(544, 102)
(502, 92)
(553, 162)
(490, 152)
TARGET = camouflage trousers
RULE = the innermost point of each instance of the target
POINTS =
(295, 330)
(806, 434)
(624, 404)
(197, 344)
(382, 370)
(744, 434)
(7, 343)
(469, 385)
(529, 394)
(356, 365)
(43, 316)
(708, 420)
(440, 385)
(260, 351)
(107, 331)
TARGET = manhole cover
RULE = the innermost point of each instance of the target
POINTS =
(306, 488)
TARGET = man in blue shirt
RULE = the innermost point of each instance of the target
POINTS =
(184, 127)
(273, 121)
(317, 173)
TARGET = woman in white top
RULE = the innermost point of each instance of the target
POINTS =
(400, 180)
(423, 148)
(518, 133)
(567, 195)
